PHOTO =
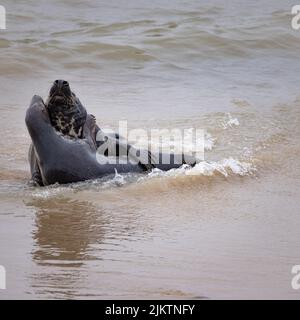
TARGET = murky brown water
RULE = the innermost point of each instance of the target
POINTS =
(229, 230)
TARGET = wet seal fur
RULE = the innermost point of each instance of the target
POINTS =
(57, 158)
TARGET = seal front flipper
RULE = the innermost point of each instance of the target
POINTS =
(36, 177)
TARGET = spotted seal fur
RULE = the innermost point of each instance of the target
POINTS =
(66, 112)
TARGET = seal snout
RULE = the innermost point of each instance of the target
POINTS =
(60, 88)
(61, 83)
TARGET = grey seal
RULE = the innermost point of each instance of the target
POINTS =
(58, 158)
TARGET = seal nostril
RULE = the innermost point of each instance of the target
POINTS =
(65, 83)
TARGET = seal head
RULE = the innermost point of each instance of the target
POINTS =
(66, 113)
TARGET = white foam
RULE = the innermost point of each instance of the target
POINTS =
(118, 179)
(49, 191)
(230, 122)
(226, 167)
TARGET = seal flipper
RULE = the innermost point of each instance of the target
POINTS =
(36, 176)
(90, 130)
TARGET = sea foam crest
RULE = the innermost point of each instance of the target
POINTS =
(230, 122)
(225, 167)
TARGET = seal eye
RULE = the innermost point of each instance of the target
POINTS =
(65, 83)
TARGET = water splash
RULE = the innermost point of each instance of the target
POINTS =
(230, 122)
(225, 167)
